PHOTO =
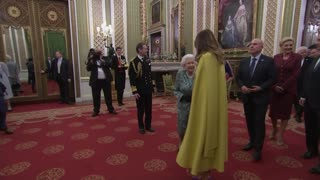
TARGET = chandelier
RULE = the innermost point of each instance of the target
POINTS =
(313, 28)
(104, 32)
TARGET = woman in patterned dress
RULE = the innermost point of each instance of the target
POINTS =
(183, 92)
(284, 91)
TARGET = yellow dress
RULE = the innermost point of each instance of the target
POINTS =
(204, 146)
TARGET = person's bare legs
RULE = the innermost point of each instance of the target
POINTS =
(282, 129)
(274, 129)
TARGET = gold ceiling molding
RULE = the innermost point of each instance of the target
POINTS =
(270, 28)
(143, 19)
(118, 24)
(199, 15)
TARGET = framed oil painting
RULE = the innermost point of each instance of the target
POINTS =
(156, 12)
(236, 23)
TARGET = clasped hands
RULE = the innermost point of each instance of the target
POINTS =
(278, 89)
(246, 90)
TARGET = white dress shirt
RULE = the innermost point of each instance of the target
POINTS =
(101, 74)
(59, 64)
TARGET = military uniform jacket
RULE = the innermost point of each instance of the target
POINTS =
(140, 75)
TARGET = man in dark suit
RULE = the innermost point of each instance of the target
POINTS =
(100, 78)
(31, 74)
(60, 71)
(305, 62)
(119, 65)
(49, 64)
(3, 110)
(310, 99)
(255, 77)
(141, 85)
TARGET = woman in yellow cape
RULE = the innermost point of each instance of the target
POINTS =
(204, 146)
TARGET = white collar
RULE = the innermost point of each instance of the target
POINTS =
(257, 57)
(140, 57)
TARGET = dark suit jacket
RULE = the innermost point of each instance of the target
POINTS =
(93, 67)
(312, 86)
(140, 75)
(119, 72)
(306, 63)
(264, 76)
(64, 69)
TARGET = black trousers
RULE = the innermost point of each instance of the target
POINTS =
(33, 83)
(3, 112)
(312, 128)
(144, 107)
(255, 117)
(298, 108)
(120, 96)
(96, 95)
(64, 89)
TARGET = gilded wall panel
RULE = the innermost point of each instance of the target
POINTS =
(260, 10)
(200, 15)
(181, 28)
(208, 14)
(270, 27)
(118, 24)
(296, 19)
(188, 26)
(83, 35)
(97, 14)
(143, 17)
(137, 30)
(53, 15)
(287, 18)
(15, 12)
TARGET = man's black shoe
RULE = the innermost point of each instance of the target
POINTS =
(315, 170)
(94, 114)
(113, 112)
(150, 130)
(308, 155)
(256, 155)
(142, 131)
(247, 147)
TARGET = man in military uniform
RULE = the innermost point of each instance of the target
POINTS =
(141, 85)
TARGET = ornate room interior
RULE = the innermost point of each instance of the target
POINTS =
(168, 27)
(64, 141)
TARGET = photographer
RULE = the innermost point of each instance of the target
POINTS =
(100, 78)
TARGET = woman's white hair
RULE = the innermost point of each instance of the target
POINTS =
(301, 48)
(185, 57)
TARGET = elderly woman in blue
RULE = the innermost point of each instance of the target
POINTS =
(183, 91)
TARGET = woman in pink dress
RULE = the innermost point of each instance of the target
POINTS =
(284, 91)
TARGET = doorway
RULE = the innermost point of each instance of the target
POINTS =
(32, 31)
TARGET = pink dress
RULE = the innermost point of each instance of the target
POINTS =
(287, 72)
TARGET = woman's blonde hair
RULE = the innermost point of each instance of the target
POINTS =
(206, 42)
(286, 39)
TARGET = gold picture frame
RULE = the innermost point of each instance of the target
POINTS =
(156, 13)
(236, 25)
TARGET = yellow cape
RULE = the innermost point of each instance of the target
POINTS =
(204, 146)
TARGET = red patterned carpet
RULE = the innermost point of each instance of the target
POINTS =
(64, 142)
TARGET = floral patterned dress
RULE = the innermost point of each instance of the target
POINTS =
(183, 87)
